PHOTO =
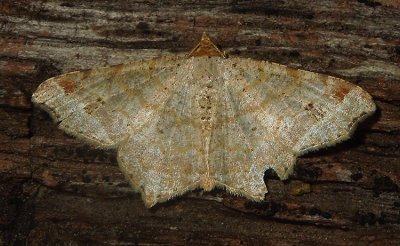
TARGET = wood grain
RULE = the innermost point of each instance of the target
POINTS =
(54, 189)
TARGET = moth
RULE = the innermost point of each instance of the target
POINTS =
(204, 120)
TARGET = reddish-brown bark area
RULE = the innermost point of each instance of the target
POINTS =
(56, 190)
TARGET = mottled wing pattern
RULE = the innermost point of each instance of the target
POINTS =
(286, 112)
(105, 105)
(183, 123)
(164, 159)
(231, 149)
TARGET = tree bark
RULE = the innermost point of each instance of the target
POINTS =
(56, 190)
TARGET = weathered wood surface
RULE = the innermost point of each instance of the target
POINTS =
(56, 190)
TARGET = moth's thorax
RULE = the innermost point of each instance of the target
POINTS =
(206, 88)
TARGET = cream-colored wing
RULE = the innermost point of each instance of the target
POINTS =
(167, 156)
(106, 105)
(286, 112)
(232, 148)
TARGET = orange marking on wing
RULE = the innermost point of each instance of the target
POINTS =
(323, 78)
(294, 73)
(68, 85)
(341, 91)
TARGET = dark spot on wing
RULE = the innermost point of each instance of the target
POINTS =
(340, 92)
(309, 106)
(68, 85)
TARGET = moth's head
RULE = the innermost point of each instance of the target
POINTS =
(205, 48)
